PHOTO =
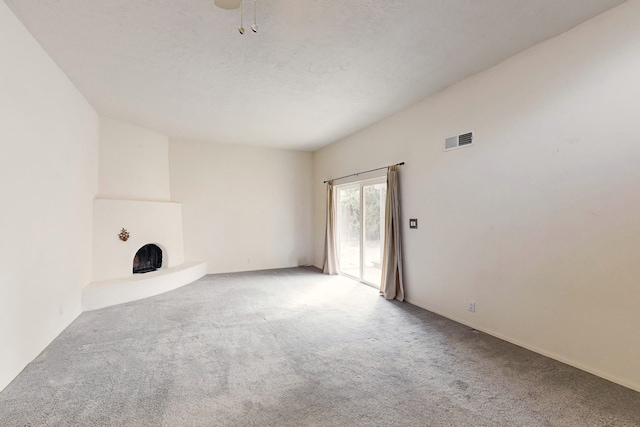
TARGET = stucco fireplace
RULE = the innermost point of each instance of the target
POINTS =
(155, 247)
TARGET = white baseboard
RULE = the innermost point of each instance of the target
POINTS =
(548, 354)
(12, 373)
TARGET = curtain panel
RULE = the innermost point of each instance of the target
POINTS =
(392, 285)
(330, 264)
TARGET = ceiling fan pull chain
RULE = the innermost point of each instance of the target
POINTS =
(254, 27)
(241, 28)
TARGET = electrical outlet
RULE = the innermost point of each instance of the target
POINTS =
(248, 260)
(61, 309)
(472, 306)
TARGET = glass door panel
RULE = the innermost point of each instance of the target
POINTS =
(349, 228)
(373, 233)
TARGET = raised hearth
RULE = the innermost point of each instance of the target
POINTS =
(111, 292)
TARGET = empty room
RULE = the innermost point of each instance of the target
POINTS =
(320, 213)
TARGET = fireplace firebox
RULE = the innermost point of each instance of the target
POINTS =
(148, 258)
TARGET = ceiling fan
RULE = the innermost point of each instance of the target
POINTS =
(237, 4)
(228, 4)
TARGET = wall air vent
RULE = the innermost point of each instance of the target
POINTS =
(458, 141)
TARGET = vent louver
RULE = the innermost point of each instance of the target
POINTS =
(458, 141)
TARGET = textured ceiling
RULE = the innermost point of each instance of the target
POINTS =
(315, 72)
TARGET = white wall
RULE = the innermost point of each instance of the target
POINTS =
(243, 208)
(48, 178)
(134, 162)
(539, 223)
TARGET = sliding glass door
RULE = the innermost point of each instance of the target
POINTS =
(360, 231)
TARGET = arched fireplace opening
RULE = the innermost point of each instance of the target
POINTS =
(148, 258)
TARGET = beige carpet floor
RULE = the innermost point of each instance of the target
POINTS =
(295, 348)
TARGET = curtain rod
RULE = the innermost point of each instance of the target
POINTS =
(358, 173)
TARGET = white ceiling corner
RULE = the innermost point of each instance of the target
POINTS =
(315, 72)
